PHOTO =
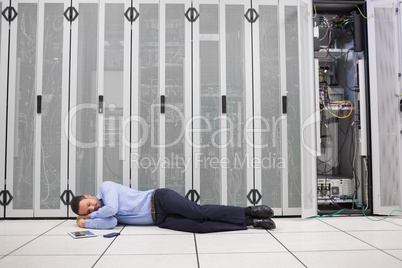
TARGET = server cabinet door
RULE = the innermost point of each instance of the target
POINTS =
(222, 102)
(145, 106)
(305, 119)
(207, 181)
(3, 98)
(84, 101)
(386, 117)
(52, 47)
(269, 87)
(113, 82)
(278, 46)
(174, 163)
(291, 106)
(236, 80)
(22, 110)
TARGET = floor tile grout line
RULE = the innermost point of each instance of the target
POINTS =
(334, 250)
(32, 240)
(298, 251)
(382, 250)
(400, 225)
(111, 243)
(362, 240)
(378, 220)
(158, 235)
(196, 250)
(286, 248)
(126, 254)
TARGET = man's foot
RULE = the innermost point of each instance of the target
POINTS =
(262, 212)
(264, 224)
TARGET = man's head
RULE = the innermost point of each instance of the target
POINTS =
(85, 204)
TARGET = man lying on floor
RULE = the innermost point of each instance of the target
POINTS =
(165, 208)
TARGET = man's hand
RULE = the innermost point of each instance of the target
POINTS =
(81, 221)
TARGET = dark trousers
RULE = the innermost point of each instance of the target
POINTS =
(176, 212)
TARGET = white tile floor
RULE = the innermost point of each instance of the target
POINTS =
(341, 241)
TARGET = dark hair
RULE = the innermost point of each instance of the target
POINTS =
(75, 203)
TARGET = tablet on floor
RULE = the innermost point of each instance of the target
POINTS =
(82, 234)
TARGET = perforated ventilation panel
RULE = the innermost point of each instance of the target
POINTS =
(270, 106)
(175, 50)
(113, 91)
(51, 107)
(293, 123)
(86, 119)
(388, 121)
(236, 103)
(210, 177)
(148, 173)
(25, 108)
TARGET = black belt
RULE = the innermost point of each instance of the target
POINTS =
(153, 211)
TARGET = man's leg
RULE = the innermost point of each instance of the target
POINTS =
(179, 223)
(169, 203)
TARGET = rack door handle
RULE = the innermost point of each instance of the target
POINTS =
(163, 98)
(100, 104)
(284, 104)
(39, 104)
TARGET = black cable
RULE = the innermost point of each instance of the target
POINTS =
(346, 76)
(346, 135)
(326, 161)
(351, 157)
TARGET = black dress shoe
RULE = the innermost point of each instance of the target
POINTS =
(262, 212)
(264, 224)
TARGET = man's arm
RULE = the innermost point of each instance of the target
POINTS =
(99, 223)
(110, 193)
(81, 221)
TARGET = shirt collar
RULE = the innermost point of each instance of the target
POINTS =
(100, 200)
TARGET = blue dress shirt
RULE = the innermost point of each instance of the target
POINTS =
(120, 204)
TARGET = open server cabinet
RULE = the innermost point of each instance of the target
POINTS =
(357, 57)
(340, 73)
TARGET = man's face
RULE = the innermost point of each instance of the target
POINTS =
(88, 205)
